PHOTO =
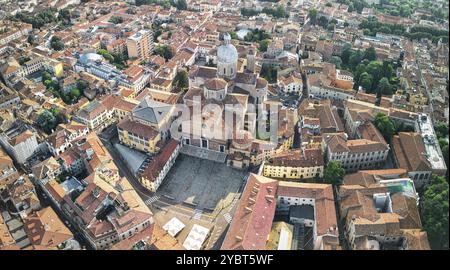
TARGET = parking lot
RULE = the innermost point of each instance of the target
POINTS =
(201, 183)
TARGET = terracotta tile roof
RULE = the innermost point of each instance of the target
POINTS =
(416, 240)
(128, 220)
(409, 152)
(325, 213)
(138, 128)
(128, 243)
(216, 84)
(27, 134)
(161, 240)
(298, 158)
(44, 228)
(406, 207)
(155, 166)
(252, 220)
(55, 190)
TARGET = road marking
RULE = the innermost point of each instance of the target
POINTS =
(197, 214)
(152, 199)
(227, 217)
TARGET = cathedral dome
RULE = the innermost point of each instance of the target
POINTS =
(227, 53)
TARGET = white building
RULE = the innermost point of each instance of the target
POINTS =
(19, 142)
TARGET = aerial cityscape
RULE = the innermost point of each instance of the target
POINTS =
(224, 125)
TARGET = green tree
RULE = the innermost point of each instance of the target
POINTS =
(64, 14)
(370, 54)
(355, 59)
(331, 27)
(441, 130)
(351, 8)
(269, 73)
(280, 12)
(385, 126)
(312, 14)
(46, 121)
(263, 45)
(434, 210)
(337, 61)
(375, 69)
(56, 43)
(31, 39)
(388, 70)
(82, 85)
(365, 81)
(181, 80)
(181, 5)
(46, 76)
(346, 53)
(163, 51)
(323, 21)
(75, 93)
(385, 29)
(333, 173)
(384, 87)
(116, 19)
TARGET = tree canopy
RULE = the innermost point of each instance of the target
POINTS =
(56, 43)
(163, 51)
(181, 80)
(385, 126)
(48, 120)
(270, 73)
(434, 210)
(333, 173)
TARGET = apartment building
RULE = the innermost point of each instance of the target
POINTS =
(135, 77)
(154, 173)
(291, 84)
(358, 154)
(140, 45)
(19, 142)
(264, 197)
(138, 136)
(14, 30)
(331, 83)
(8, 171)
(101, 113)
(295, 164)
(377, 214)
(60, 140)
(410, 154)
(8, 97)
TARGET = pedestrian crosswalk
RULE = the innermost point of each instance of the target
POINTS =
(197, 214)
(152, 199)
(227, 217)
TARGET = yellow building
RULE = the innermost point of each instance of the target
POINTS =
(138, 136)
(280, 236)
(295, 164)
(55, 67)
